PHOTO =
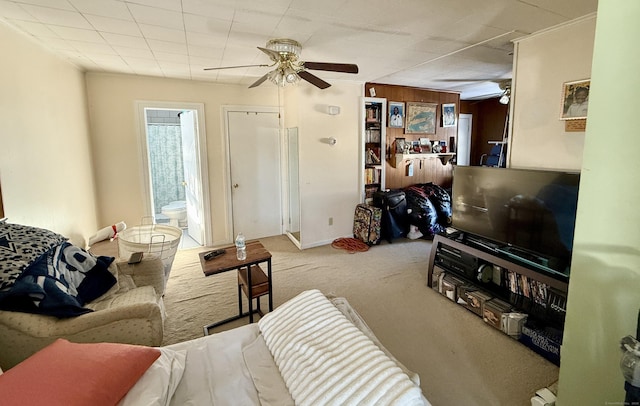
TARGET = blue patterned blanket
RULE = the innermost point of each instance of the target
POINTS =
(40, 272)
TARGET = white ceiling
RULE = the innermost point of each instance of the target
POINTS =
(420, 43)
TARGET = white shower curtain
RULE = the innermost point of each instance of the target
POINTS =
(165, 160)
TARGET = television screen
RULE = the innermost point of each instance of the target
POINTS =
(525, 213)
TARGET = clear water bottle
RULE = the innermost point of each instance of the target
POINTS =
(241, 249)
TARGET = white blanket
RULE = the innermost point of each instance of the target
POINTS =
(325, 360)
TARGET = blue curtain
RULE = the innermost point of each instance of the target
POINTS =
(165, 158)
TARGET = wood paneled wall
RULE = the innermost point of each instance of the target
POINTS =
(488, 123)
(426, 170)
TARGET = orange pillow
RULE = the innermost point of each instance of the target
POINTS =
(66, 373)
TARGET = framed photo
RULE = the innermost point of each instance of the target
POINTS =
(449, 115)
(400, 145)
(575, 100)
(396, 115)
(420, 118)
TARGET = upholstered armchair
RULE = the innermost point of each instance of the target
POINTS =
(131, 312)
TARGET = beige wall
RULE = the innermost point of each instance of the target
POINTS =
(45, 161)
(328, 175)
(544, 61)
(116, 143)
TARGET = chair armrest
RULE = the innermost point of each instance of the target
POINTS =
(149, 272)
(139, 303)
(134, 317)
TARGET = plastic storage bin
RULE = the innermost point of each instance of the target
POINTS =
(151, 239)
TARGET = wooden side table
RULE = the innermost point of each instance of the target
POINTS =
(251, 277)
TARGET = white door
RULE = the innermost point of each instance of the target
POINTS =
(254, 150)
(193, 186)
(463, 153)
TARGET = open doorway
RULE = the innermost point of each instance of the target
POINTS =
(175, 169)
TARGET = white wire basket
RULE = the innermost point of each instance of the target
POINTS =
(154, 239)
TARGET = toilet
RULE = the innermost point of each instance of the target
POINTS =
(177, 213)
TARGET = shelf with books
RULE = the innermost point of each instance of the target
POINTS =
(372, 146)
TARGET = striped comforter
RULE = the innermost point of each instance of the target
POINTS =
(325, 360)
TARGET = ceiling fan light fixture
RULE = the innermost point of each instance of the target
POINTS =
(290, 75)
(283, 76)
(276, 77)
(285, 46)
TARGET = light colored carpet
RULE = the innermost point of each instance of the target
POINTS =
(460, 359)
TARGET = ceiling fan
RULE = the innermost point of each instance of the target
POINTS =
(289, 69)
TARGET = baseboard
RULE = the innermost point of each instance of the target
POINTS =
(316, 244)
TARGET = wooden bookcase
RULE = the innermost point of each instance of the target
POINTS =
(372, 146)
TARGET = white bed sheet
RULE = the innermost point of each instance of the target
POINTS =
(216, 372)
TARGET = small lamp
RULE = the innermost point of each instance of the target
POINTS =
(505, 96)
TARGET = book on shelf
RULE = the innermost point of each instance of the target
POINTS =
(373, 113)
(375, 135)
(373, 156)
(369, 191)
(372, 135)
(372, 175)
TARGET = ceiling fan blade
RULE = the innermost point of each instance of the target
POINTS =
(274, 55)
(238, 66)
(313, 79)
(259, 81)
(332, 67)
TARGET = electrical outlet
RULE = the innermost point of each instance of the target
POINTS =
(330, 221)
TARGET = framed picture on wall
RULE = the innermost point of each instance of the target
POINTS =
(420, 118)
(396, 114)
(575, 100)
(449, 115)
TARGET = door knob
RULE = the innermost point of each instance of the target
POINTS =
(235, 185)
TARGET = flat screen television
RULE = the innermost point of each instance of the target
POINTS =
(525, 214)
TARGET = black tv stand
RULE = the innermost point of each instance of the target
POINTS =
(465, 258)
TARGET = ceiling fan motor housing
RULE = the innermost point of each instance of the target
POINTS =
(285, 47)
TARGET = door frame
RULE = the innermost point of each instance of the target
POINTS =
(227, 168)
(203, 171)
(470, 133)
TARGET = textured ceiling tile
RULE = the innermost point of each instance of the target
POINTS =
(114, 25)
(423, 43)
(77, 34)
(163, 34)
(206, 25)
(125, 40)
(156, 16)
(103, 8)
(54, 16)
